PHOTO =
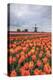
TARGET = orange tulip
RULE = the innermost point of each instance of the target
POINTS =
(13, 73)
(31, 65)
(36, 72)
(39, 63)
(47, 68)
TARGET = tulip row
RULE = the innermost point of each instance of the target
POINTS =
(29, 55)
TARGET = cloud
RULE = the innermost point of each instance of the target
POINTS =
(29, 15)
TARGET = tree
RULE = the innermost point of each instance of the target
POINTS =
(18, 30)
(26, 30)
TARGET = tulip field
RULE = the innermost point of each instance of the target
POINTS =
(29, 54)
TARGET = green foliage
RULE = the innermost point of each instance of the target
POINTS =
(32, 72)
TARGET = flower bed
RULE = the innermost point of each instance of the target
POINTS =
(29, 55)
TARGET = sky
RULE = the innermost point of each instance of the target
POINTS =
(25, 16)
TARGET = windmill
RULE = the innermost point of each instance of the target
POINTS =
(35, 28)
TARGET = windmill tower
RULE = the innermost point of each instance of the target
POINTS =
(35, 28)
